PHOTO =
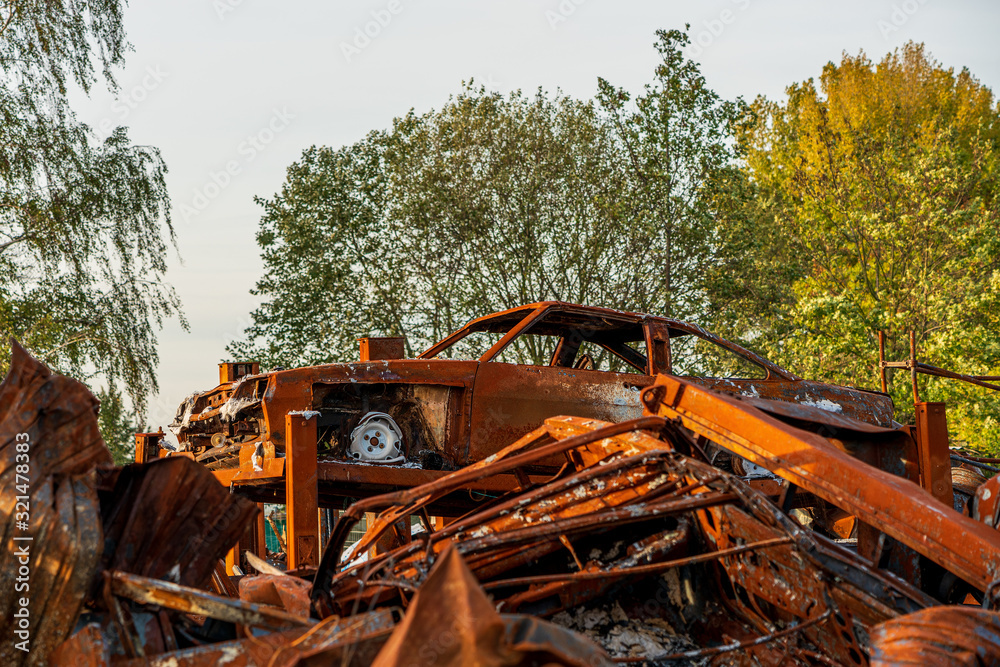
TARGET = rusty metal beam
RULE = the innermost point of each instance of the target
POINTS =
(945, 635)
(895, 505)
(635, 570)
(514, 332)
(916, 367)
(935, 457)
(341, 473)
(349, 641)
(233, 558)
(193, 601)
(301, 490)
(507, 460)
(260, 534)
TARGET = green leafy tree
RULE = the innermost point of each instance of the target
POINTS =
(490, 202)
(876, 190)
(319, 236)
(509, 200)
(676, 146)
(442, 218)
(82, 222)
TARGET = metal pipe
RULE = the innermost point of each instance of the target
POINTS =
(881, 361)
(974, 464)
(619, 516)
(650, 568)
(330, 561)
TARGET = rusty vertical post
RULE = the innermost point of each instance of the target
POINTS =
(881, 361)
(932, 445)
(323, 531)
(913, 366)
(147, 446)
(301, 491)
(232, 559)
(139, 454)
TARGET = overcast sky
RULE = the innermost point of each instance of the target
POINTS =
(232, 91)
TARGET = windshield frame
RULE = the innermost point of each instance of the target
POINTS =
(655, 328)
(481, 324)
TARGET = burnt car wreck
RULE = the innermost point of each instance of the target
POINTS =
(481, 388)
(578, 486)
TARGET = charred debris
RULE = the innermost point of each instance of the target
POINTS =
(709, 522)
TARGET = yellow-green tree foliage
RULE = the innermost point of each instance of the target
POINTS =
(880, 183)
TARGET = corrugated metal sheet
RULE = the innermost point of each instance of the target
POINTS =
(48, 509)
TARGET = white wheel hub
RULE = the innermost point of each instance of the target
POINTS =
(377, 439)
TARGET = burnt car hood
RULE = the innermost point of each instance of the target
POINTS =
(862, 405)
(268, 397)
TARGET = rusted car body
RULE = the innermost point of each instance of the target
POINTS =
(484, 386)
(639, 500)
(643, 546)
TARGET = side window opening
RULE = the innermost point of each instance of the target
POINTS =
(694, 356)
(471, 346)
(529, 349)
(592, 350)
(572, 340)
(602, 358)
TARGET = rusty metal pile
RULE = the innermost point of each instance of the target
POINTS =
(712, 529)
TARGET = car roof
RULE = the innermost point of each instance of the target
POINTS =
(594, 316)
(560, 314)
